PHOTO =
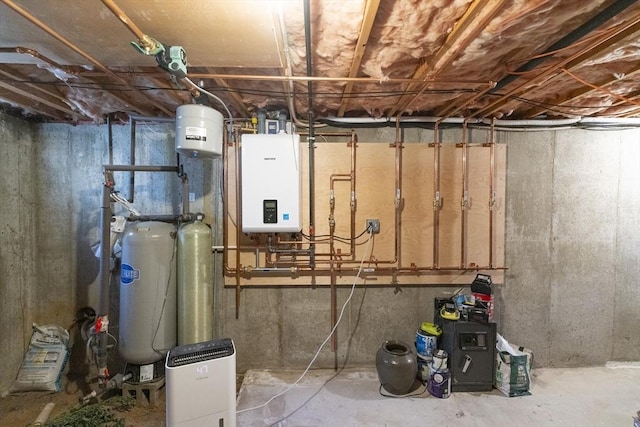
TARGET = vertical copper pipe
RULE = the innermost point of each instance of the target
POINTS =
(436, 198)
(225, 204)
(492, 189)
(398, 195)
(463, 199)
(354, 140)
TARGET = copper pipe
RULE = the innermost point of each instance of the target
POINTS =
(353, 142)
(463, 198)
(80, 52)
(456, 83)
(35, 54)
(333, 293)
(436, 190)
(119, 13)
(225, 210)
(326, 133)
(398, 195)
(492, 195)
(378, 272)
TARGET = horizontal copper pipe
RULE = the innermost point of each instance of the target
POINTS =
(457, 83)
(378, 272)
(35, 54)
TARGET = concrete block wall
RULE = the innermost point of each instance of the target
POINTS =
(18, 272)
(572, 245)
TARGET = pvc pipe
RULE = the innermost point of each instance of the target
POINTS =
(532, 123)
(44, 414)
(606, 121)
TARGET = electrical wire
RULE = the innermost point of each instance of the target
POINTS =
(122, 88)
(327, 236)
(315, 356)
(164, 301)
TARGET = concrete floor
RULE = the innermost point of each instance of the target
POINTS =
(577, 397)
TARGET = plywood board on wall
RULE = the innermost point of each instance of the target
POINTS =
(376, 197)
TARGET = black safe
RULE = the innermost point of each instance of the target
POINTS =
(472, 353)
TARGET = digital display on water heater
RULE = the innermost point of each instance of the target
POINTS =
(270, 211)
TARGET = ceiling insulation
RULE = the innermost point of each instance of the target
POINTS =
(73, 62)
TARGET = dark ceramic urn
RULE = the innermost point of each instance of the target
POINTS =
(397, 367)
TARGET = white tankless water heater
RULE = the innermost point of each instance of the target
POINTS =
(271, 188)
(201, 384)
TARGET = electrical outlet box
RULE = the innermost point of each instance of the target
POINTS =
(271, 183)
(373, 226)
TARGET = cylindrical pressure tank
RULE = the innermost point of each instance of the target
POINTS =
(195, 283)
(147, 292)
(198, 131)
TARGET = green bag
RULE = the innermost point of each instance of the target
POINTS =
(513, 369)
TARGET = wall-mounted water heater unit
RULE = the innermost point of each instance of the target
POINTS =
(271, 190)
(198, 131)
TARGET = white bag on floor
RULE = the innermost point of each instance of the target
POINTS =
(44, 361)
(513, 368)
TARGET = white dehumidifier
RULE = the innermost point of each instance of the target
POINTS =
(201, 384)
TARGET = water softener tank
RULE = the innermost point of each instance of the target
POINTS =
(147, 292)
(198, 131)
(195, 283)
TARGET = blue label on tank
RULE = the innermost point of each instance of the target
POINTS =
(128, 274)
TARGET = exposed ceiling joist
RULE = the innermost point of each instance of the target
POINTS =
(27, 104)
(475, 19)
(32, 96)
(598, 46)
(370, 12)
(29, 17)
(371, 58)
